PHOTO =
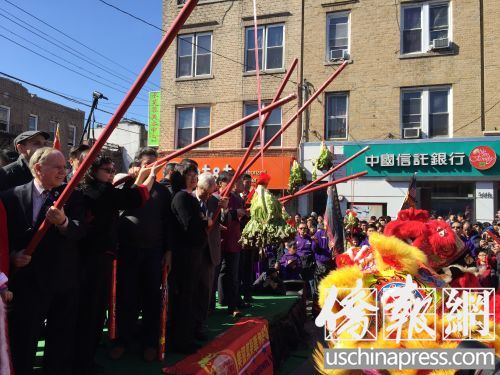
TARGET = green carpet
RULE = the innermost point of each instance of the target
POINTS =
(268, 307)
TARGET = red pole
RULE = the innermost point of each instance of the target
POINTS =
(120, 112)
(298, 113)
(337, 167)
(112, 302)
(322, 186)
(255, 138)
(228, 128)
(163, 315)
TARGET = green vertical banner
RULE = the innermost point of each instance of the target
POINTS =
(154, 118)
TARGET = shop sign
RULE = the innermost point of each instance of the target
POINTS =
(277, 167)
(482, 158)
(154, 118)
(467, 158)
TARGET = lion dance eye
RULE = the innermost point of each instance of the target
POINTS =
(441, 231)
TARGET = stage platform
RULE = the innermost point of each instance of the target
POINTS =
(285, 314)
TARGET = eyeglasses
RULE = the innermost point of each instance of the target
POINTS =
(108, 170)
(302, 228)
(457, 227)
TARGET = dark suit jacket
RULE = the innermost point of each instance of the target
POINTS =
(189, 227)
(214, 232)
(54, 264)
(15, 174)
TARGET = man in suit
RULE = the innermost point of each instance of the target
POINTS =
(18, 172)
(144, 238)
(45, 284)
(211, 256)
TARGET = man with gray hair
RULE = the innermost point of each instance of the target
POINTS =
(45, 285)
(212, 253)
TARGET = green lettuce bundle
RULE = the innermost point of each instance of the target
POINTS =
(267, 225)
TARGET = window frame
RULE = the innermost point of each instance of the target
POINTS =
(264, 47)
(74, 135)
(425, 41)
(194, 55)
(425, 109)
(339, 14)
(52, 132)
(263, 103)
(7, 127)
(327, 97)
(36, 121)
(193, 124)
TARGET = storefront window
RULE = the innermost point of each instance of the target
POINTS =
(446, 198)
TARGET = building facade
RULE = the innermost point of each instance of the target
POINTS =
(209, 81)
(129, 136)
(421, 78)
(419, 72)
(21, 111)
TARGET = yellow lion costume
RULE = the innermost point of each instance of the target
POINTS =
(383, 266)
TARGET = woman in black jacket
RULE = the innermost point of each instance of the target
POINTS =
(97, 250)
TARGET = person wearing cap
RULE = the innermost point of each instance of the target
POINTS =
(18, 173)
(45, 285)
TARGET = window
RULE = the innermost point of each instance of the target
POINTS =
(421, 24)
(337, 31)
(336, 116)
(194, 55)
(52, 130)
(271, 42)
(33, 122)
(271, 127)
(4, 118)
(71, 135)
(427, 109)
(193, 123)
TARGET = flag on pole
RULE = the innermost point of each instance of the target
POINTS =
(57, 139)
(334, 223)
(411, 195)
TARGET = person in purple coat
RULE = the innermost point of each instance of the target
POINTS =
(290, 263)
(323, 257)
(305, 250)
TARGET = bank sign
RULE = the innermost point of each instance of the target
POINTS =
(453, 157)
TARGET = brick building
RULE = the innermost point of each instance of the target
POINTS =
(203, 92)
(21, 111)
(419, 72)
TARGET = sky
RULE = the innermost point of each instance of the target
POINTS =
(122, 45)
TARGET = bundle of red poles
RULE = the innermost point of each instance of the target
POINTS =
(123, 107)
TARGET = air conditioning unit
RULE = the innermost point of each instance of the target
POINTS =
(339, 54)
(411, 133)
(440, 43)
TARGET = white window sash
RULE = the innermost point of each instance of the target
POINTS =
(330, 116)
(35, 117)
(425, 109)
(7, 125)
(329, 18)
(72, 134)
(424, 24)
(202, 53)
(264, 47)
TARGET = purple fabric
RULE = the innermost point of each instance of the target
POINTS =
(322, 253)
(305, 246)
(286, 270)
